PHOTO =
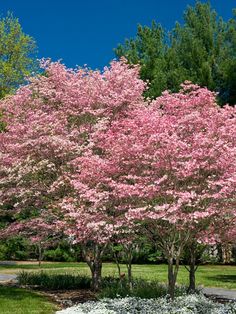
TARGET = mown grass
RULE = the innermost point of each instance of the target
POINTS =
(207, 275)
(20, 301)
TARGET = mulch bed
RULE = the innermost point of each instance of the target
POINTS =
(69, 297)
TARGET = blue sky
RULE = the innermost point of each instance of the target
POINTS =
(86, 31)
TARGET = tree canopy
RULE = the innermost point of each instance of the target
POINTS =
(86, 148)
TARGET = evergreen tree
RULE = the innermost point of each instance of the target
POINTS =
(149, 49)
(202, 50)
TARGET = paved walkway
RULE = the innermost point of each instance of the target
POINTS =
(7, 277)
(220, 293)
(7, 263)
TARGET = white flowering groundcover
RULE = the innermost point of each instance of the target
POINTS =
(189, 304)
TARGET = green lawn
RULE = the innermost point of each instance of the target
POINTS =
(207, 275)
(21, 301)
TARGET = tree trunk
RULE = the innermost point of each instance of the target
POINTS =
(172, 274)
(96, 271)
(171, 279)
(195, 252)
(117, 264)
(192, 282)
(172, 248)
(192, 270)
(40, 255)
(129, 268)
(129, 251)
(94, 261)
(226, 253)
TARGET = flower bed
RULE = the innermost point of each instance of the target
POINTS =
(190, 304)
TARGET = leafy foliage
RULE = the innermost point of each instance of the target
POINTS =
(202, 50)
(17, 55)
(54, 281)
(14, 248)
(114, 287)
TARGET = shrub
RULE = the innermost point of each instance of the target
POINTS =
(44, 280)
(14, 248)
(113, 287)
(58, 255)
(3, 252)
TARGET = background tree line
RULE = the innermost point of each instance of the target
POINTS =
(21, 248)
(201, 50)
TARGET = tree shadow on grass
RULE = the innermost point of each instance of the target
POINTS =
(12, 293)
(223, 278)
(18, 300)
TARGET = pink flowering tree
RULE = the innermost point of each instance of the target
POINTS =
(40, 232)
(50, 129)
(225, 235)
(170, 167)
(86, 146)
